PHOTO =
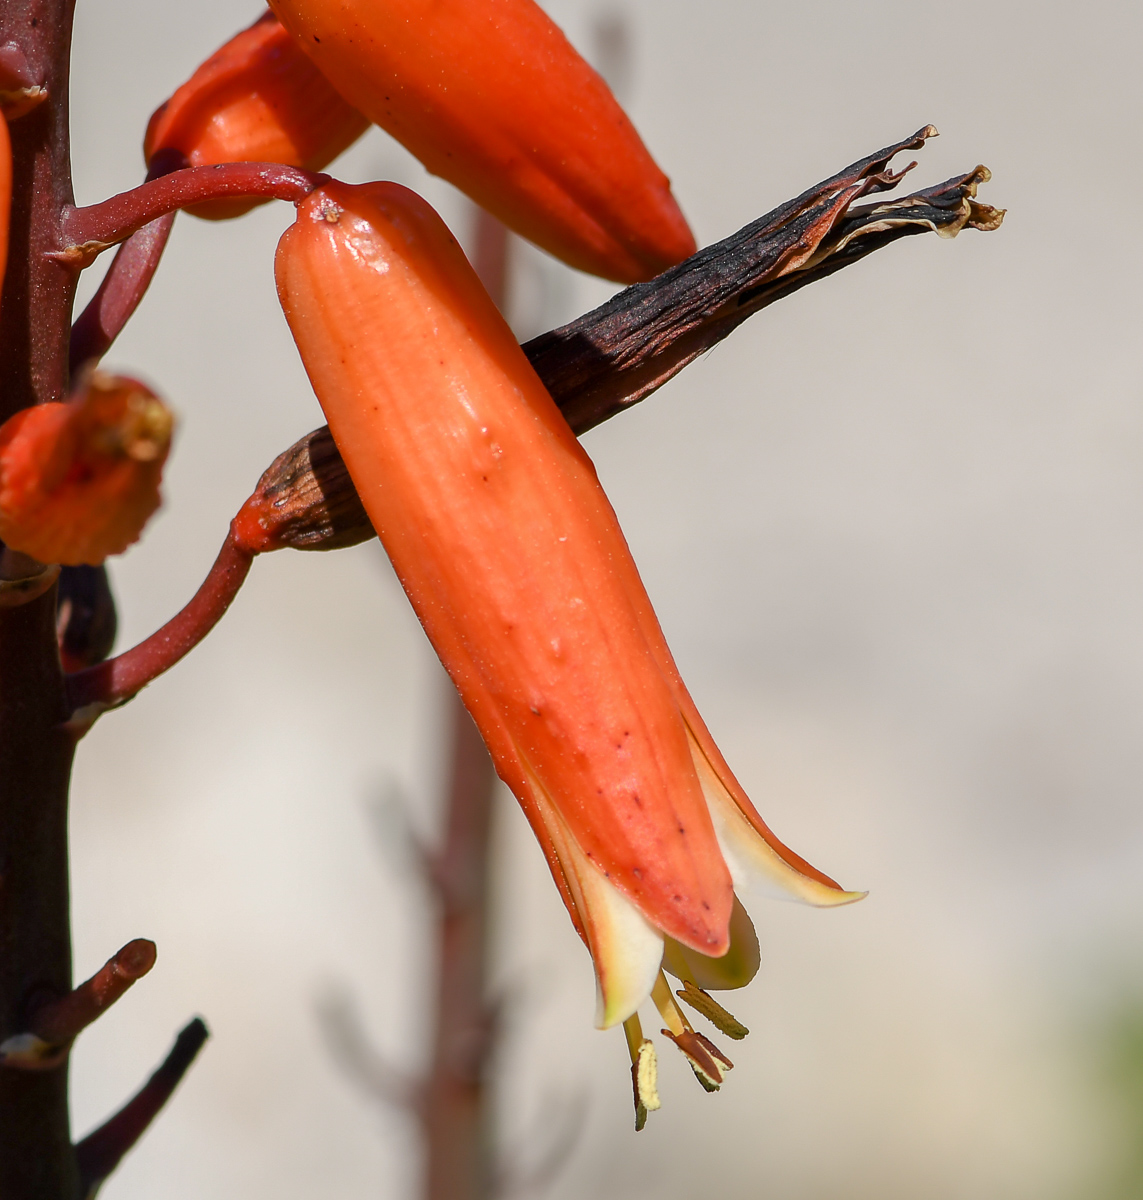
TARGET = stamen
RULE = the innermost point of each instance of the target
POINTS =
(644, 1071)
(706, 1060)
(710, 1008)
(672, 1015)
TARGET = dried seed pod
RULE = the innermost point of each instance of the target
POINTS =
(257, 99)
(304, 500)
(79, 480)
(491, 96)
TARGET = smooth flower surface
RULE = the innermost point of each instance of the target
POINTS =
(491, 96)
(78, 481)
(506, 545)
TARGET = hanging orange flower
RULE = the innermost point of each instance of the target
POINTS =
(491, 96)
(79, 480)
(257, 99)
(506, 545)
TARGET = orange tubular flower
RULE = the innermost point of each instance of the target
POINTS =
(258, 99)
(78, 481)
(490, 95)
(502, 537)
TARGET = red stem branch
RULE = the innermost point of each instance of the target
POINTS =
(126, 281)
(63, 1020)
(112, 682)
(87, 231)
(101, 1151)
(120, 292)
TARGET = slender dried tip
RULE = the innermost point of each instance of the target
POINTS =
(78, 481)
(102, 1150)
(305, 501)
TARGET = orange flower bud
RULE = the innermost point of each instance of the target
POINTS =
(258, 99)
(78, 481)
(506, 545)
(490, 95)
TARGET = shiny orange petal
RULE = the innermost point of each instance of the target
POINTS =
(504, 541)
(491, 96)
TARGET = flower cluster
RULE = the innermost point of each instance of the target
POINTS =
(487, 505)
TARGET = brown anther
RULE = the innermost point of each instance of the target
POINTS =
(710, 1008)
(706, 1060)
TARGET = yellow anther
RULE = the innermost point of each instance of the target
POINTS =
(644, 1071)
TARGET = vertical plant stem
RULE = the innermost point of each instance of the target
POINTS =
(35, 315)
(36, 1158)
(457, 1118)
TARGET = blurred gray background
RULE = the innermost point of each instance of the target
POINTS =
(893, 529)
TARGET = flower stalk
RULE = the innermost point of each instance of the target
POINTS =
(87, 232)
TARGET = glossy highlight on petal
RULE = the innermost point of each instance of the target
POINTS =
(257, 99)
(79, 480)
(491, 96)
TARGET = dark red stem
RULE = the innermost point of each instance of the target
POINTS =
(88, 230)
(36, 1162)
(127, 279)
(60, 1021)
(110, 683)
(101, 1151)
(120, 292)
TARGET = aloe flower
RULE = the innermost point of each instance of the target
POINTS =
(505, 543)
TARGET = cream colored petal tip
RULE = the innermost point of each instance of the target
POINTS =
(754, 864)
(627, 950)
